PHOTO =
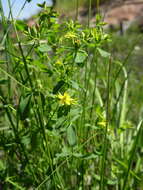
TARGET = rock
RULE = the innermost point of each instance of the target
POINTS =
(125, 14)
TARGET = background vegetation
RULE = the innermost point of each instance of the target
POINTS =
(70, 106)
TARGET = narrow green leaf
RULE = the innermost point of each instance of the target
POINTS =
(24, 107)
(25, 140)
(20, 25)
(103, 53)
(71, 135)
(58, 86)
(80, 57)
(63, 111)
(44, 48)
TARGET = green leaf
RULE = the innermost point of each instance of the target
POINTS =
(21, 25)
(90, 156)
(40, 65)
(103, 53)
(112, 181)
(44, 48)
(65, 152)
(75, 114)
(86, 156)
(80, 57)
(60, 122)
(2, 165)
(74, 85)
(71, 136)
(24, 107)
(25, 140)
(58, 86)
(40, 5)
(63, 111)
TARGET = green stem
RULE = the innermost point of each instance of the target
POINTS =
(105, 140)
(95, 85)
(77, 5)
(89, 13)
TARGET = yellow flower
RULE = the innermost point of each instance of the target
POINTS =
(65, 99)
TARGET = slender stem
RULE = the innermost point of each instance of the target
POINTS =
(89, 13)
(17, 138)
(97, 5)
(77, 6)
(95, 84)
(105, 141)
